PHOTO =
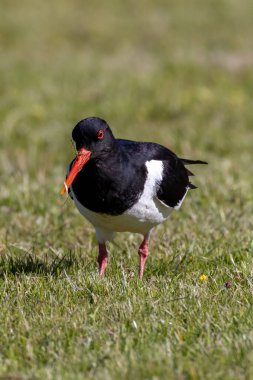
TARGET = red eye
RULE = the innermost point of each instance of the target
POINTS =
(100, 134)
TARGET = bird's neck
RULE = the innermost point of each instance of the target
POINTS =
(111, 152)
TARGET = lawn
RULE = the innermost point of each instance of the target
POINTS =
(177, 73)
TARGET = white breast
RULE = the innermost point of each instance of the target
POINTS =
(146, 213)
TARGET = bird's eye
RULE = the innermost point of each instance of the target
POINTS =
(100, 134)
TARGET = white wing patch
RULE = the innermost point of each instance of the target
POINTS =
(149, 208)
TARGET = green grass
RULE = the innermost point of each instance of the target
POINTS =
(175, 72)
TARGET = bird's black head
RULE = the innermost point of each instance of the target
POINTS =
(94, 140)
(93, 134)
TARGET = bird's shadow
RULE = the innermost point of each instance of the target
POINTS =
(31, 264)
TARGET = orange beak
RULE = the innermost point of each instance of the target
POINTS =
(82, 157)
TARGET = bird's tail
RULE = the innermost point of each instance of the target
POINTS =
(185, 161)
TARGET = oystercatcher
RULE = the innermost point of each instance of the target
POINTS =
(122, 185)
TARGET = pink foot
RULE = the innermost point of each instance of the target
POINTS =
(102, 258)
(143, 253)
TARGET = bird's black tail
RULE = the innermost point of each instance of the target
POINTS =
(185, 161)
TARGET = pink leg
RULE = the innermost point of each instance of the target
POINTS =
(102, 258)
(143, 253)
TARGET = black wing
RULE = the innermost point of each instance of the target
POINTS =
(176, 181)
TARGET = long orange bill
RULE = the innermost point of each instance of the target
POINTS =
(82, 157)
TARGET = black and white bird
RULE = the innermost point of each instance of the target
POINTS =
(122, 185)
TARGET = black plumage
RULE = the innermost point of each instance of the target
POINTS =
(123, 185)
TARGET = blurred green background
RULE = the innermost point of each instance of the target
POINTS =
(175, 72)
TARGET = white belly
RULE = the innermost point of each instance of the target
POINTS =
(139, 218)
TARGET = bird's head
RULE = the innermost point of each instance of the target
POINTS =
(93, 139)
(93, 134)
